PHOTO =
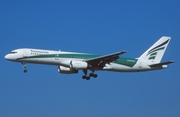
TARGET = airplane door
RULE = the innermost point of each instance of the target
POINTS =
(56, 56)
(25, 53)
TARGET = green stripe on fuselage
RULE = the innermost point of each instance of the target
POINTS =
(130, 62)
(80, 56)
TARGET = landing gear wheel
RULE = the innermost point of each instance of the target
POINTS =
(87, 78)
(91, 74)
(25, 70)
(95, 75)
(84, 77)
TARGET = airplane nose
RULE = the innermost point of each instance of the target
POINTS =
(9, 57)
(6, 57)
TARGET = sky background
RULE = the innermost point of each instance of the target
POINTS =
(94, 26)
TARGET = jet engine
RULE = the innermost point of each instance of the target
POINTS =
(66, 70)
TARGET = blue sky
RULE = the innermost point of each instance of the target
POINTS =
(99, 27)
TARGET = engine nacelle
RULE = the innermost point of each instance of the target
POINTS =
(78, 65)
(66, 70)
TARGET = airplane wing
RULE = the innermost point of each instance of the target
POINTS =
(102, 60)
(160, 64)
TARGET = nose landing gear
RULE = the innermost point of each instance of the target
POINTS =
(25, 67)
(25, 70)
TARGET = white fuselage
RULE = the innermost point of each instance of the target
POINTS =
(72, 62)
(59, 58)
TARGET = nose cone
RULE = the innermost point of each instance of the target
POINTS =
(7, 57)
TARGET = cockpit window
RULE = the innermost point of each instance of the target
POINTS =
(13, 52)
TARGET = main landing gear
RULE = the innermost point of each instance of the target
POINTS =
(25, 68)
(90, 75)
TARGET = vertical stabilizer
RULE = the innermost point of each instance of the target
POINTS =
(155, 53)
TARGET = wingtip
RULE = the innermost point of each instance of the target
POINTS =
(124, 51)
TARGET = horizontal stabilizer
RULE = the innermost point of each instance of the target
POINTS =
(160, 64)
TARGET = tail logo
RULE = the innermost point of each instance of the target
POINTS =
(153, 51)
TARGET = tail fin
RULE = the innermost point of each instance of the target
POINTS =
(155, 53)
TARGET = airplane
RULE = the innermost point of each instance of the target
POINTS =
(72, 62)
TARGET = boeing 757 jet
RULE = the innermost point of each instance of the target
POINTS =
(72, 62)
